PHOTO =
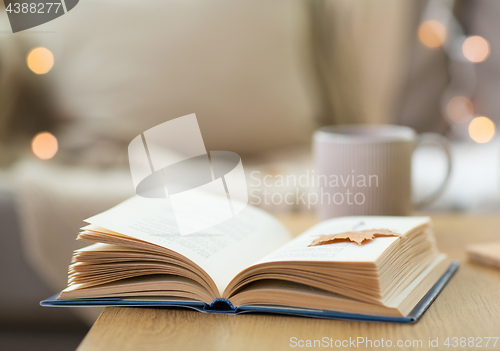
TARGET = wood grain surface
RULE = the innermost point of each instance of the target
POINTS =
(469, 307)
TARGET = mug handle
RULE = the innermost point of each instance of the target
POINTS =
(441, 142)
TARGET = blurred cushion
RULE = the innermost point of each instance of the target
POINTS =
(122, 67)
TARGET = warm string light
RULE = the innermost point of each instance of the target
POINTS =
(482, 129)
(476, 49)
(432, 33)
(40, 60)
(44, 145)
(473, 49)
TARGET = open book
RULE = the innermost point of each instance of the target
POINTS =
(251, 263)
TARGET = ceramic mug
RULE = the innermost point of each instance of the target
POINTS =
(366, 169)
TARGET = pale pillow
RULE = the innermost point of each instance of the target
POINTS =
(124, 66)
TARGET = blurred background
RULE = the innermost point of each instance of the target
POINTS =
(260, 75)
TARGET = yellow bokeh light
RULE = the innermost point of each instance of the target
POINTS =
(482, 129)
(40, 60)
(432, 33)
(44, 145)
(476, 48)
(459, 109)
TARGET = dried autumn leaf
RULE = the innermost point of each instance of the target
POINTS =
(356, 236)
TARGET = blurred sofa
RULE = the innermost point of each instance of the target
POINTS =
(24, 325)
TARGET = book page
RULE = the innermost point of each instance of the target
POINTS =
(222, 251)
(298, 249)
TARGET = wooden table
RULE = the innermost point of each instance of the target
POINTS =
(469, 306)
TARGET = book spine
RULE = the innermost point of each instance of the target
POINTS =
(220, 306)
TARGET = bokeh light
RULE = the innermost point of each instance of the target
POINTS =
(482, 129)
(432, 33)
(476, 48)
(44, 145)
(40, 60)
(460, 109)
